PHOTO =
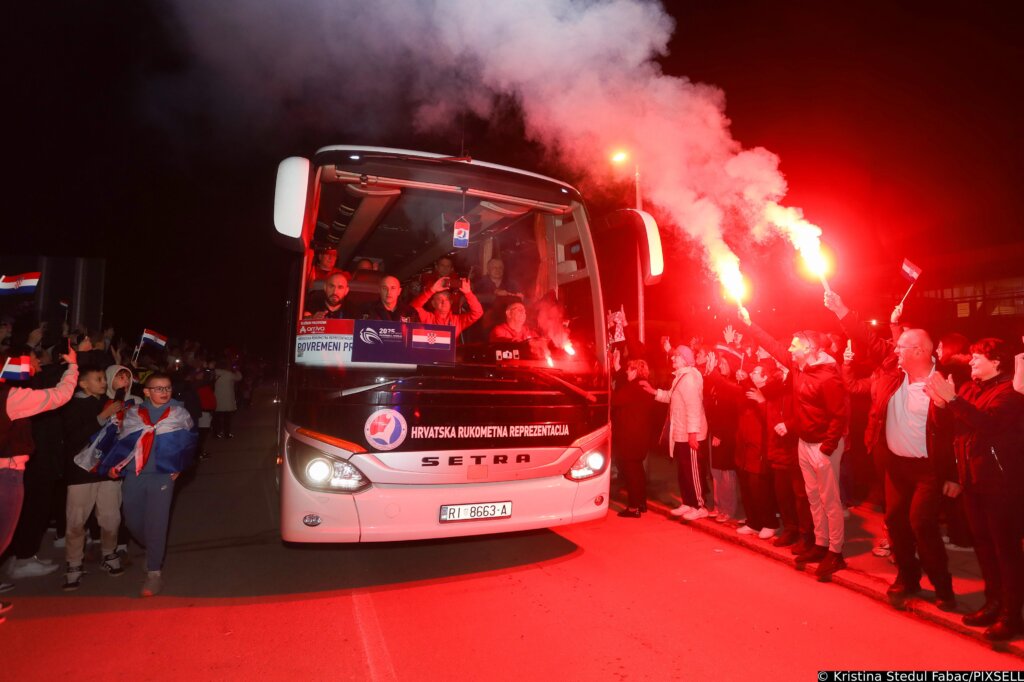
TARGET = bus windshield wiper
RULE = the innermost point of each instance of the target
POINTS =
(551, 376)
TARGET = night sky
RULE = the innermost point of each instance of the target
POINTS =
(897, 126)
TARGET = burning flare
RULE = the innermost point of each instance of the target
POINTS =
(805, 237)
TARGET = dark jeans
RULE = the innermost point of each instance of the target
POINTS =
(993, 515)
(913, 493)
(691, 474)
(39, 485)
(11, 494)
(756, 489)
(957, 528)
(636, 481)
(791, 497)
(222, 423)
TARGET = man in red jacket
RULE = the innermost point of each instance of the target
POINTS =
(820, 415)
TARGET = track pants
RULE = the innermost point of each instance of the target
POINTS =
(147, 512)
(691, 476)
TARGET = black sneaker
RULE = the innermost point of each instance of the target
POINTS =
(813, 555)
(630, 512)
(832, 562)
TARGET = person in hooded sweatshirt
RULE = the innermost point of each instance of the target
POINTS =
(820, 416)
(157, 442)
(81, 419)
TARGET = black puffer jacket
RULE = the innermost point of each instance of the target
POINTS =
(820, 408)
(989, 441)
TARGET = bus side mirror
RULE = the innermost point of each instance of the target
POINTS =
(648, 240)
(290, 197)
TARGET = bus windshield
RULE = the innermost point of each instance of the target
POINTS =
(447, 265)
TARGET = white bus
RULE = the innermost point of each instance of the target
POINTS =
(397, 430)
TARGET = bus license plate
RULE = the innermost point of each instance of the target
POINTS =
(475, 512)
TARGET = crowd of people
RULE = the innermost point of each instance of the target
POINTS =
(91, 445)
(783, 438)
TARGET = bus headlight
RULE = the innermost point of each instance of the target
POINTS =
(317, 470)
(588, 465)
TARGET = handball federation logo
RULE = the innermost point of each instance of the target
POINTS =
(386, 429)
(369, 335)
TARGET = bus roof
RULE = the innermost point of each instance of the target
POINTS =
(353, 153)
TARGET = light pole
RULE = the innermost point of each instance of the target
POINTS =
(618, 158)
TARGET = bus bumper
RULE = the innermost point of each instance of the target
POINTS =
(390, 512)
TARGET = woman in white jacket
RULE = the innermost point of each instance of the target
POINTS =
(224, 388)
(687, 428)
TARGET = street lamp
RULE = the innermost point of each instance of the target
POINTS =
(618, 158)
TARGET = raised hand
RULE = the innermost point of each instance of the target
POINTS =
(71, 357)
(897, 313)
(835, 303)
(744, 315)
(729, 334)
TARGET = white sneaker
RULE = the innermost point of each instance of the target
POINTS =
(694, 514)
(766, 533)
(153, 585)
(746, 530)
(30, 568)
(953, 547)
(722, 517)
(681, 510)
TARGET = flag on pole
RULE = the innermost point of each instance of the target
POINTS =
(910, 271)
(17, 369)
(25, 283)
(155, 338)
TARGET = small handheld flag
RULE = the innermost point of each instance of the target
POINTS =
(17, 369)
(911, 272)
(24, 283)
(155, 338)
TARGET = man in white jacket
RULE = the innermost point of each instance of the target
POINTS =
(687, 427)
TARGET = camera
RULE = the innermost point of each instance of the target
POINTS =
(454, 282)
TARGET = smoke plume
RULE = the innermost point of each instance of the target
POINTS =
(583, 72)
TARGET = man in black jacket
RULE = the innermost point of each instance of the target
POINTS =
(915, 441)
(87, 412)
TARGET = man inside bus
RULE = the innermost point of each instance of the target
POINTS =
(389, 307)
(494, 285)
(323, 265)
(514, 328)
(440, 296)
(329, 304)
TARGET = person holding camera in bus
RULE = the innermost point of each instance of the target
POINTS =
(440, 295)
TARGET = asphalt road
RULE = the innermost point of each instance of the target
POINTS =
(619, 599)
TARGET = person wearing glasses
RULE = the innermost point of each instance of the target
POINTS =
(914, 440)
(157, 442)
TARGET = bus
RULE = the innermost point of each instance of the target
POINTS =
(398, 430)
